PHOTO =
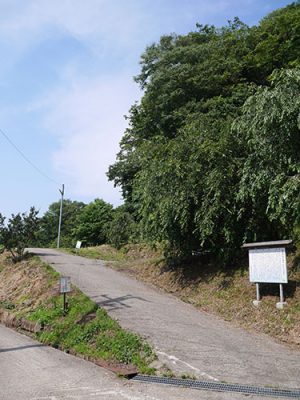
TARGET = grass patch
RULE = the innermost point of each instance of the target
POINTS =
(102, 337)
(123, 257)
(104, 252)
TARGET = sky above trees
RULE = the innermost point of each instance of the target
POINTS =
(66, 78)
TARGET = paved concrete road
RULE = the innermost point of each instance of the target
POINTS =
(189, 340)
(31, 371)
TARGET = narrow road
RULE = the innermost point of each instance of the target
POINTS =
(188, 340)
(32, 371)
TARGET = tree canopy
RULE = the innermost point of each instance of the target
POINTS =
(19, 233)
(47, 235)
(92, 223)
(211, 155)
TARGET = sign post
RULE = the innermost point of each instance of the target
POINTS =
(64, 288)
(267, 264)
(257, 301)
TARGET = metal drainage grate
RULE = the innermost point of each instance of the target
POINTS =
(220, 387)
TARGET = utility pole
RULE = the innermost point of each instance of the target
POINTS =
(62, 191)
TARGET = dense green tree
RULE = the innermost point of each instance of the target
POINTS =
(276, 43)
(19, 233)
(122, 229)
(92, 223)
(186, 194)
(47, 235)
(189, 167)
(269, 189)
(180, 77)
(183, 75)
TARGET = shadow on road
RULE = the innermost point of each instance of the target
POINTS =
(21, 348)
(111, 304)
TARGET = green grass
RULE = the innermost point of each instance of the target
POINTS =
(106, 253)
(102, 337)
(52, 275)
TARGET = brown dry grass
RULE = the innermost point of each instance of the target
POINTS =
(26, 284)
(226, 293)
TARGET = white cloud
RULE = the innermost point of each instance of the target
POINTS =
(95, 23)
(85, 113)
(88, 120)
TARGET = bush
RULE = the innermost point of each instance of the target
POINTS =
(18, 233)
(122, 228)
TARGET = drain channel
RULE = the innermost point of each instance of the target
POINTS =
(220, 387)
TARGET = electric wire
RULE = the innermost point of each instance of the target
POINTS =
(26, 158)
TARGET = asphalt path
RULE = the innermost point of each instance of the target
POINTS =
(32, 371)
(188, 340)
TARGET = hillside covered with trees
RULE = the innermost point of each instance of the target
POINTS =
(211, 157)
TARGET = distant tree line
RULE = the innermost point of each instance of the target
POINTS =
(93, 224)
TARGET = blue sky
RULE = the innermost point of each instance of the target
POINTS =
(66, 82)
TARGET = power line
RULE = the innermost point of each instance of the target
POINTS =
(26, 158)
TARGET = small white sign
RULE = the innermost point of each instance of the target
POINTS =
(78, 244)
(65, 284)
(268, 265)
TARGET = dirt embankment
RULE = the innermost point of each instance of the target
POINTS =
(25, 285)
(224, 292)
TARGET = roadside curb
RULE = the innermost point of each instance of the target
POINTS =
(123, 370)
(12, 321)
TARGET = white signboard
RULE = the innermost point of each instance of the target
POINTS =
(65, 284)
(268, 265)
(78, 244)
